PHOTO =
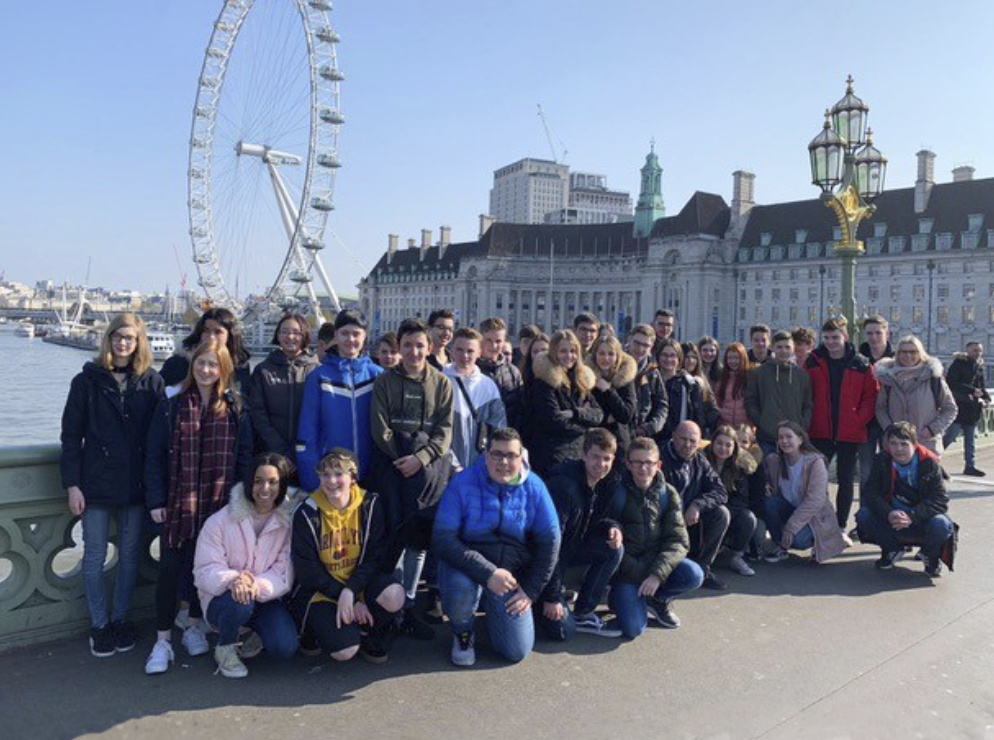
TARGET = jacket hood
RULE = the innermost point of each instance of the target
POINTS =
(625, 374)
(305, 358)
(331, 357)
(746, 462)
(851, 356)
(889, 372)
(242, 508)
(552, 374)
(491, 365)
(966, 358)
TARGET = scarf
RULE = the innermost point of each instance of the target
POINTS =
(201, 468)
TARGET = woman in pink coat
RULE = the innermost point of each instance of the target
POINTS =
(242, 568)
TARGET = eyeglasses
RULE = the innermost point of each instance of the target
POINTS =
(504, 456)
(642, 463)
(291, 333)
(643, 345)
(124, 338)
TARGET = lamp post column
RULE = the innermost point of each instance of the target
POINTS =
(847, 257)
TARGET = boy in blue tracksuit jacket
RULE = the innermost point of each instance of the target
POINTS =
(338, 396)
(496, 536)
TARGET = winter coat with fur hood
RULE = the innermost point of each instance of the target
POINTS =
(619, 402)
(228, 545)
(562, 410)
(916, 394)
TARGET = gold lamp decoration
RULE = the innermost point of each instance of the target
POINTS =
(850, 172)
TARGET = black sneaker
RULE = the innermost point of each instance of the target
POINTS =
(660, 610)
(309, 644)
(933, 567)
(410, 625)
(887, 559)
(972, 471)
(102, 642)
(713, 582)
(124, 636)
(373, 647)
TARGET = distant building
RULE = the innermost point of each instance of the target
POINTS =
(592, 202)
(525, 191)
(928, 267)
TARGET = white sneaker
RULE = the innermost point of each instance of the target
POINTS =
(160, 657)
(229, 664)
(194, 641)
(463, 650)
(738, 564)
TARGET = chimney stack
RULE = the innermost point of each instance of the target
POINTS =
(926, 179)
(485, 223)
(742, 193)
(392, 240)
(410, 243)
(444, 239)
(425, 238)
(963, 173)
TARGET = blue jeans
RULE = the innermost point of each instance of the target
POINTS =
(969, 441)
(630, 608)
(513, 637)
(268, 619)
(408, 573)
(96, 529)
(777, 513)
(931, 535)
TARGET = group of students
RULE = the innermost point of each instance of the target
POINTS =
(299, 505)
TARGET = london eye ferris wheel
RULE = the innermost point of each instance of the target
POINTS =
(264, 155)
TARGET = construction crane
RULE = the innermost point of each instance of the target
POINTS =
(548, 135)
(182, 272)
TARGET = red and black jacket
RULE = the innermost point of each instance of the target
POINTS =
(857, 396)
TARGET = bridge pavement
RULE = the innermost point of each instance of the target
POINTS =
(836, 651)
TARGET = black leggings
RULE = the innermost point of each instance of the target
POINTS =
(321, 618)
(175, 567)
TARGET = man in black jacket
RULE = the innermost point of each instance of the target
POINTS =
(966, 380)
(703, 496)
(582, 490)
(877, 346)
(905, 501)
(653, 401)
(495, 366)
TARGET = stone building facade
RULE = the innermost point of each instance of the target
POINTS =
(928, 268)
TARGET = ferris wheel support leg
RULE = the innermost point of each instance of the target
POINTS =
(287, 212)
(316, 261)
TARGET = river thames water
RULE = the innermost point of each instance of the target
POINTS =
(35, 378)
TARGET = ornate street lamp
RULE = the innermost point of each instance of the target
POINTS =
(850, 172)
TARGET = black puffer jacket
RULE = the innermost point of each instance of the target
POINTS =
(694, 479)
(275, 398)
(103, 434)
(511, 387)
(653, 402)
(560, 413)
(619, 402)
(655, 536)
(684, 391)
(584, 514)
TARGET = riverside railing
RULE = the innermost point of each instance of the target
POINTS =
(41, 548)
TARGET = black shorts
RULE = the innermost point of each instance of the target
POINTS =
(321, 618)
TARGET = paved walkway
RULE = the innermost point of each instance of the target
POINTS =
(799, 651)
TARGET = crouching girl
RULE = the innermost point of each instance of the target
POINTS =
(242, 569)
(342, 589)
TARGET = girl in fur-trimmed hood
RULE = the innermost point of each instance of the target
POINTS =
(561, 403)
(614, 388)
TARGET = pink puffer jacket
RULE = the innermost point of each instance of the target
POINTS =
(227, 545)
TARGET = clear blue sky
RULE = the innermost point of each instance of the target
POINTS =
(97, 100)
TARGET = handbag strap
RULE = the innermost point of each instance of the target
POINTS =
(465, 394)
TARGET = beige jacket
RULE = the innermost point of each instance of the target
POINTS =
(815, 508)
